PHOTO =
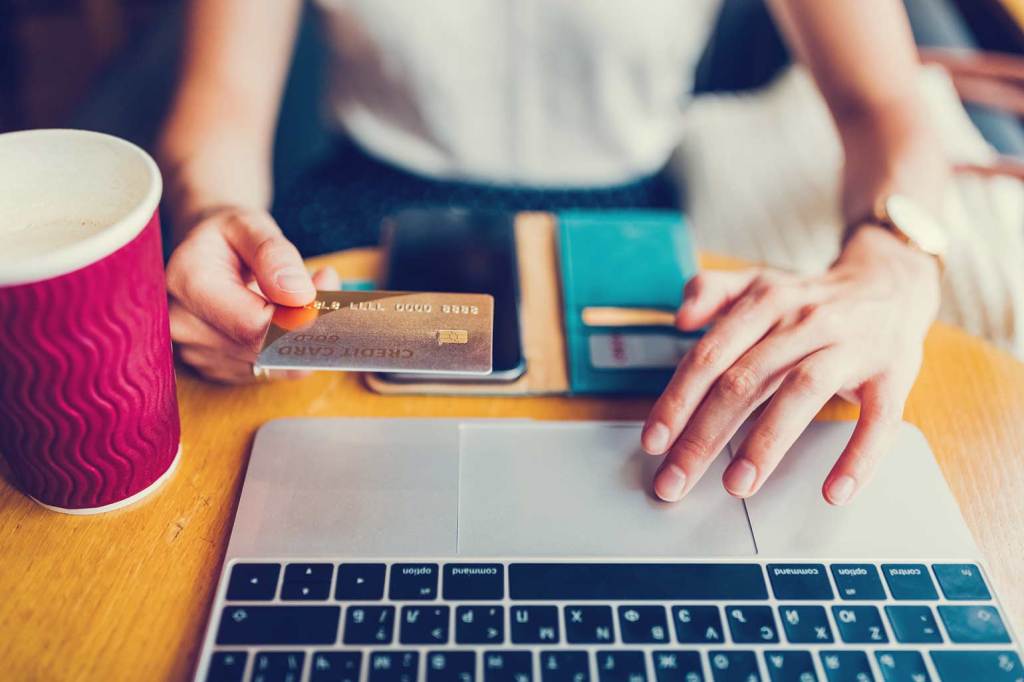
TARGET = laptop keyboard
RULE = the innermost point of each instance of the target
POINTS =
(487, 621)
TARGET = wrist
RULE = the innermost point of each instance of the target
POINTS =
(874, 249)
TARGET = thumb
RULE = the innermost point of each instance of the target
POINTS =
(273, 260)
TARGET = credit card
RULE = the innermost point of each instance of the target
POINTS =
(383, 331)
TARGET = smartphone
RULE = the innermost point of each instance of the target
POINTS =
(459, 251)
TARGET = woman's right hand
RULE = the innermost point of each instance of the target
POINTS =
(223, 280)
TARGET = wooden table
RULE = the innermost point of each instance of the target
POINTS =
(125, 596)
(1016, 10)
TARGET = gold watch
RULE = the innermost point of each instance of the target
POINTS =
(911, 223)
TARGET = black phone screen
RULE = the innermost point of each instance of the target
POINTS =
(460, 251)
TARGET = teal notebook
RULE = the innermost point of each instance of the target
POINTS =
(630, 259)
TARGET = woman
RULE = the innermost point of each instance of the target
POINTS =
(541, 103)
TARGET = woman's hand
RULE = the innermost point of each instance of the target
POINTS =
(794, 342)
(223, 280)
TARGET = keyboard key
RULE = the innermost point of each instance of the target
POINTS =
(790, 666)
(806, 624)
(253, 582)
(413, 582)
(278, 625)
(588, 624)
(974, 624)
(859, 624)
(278, 666)
(677, 666)
(393, 666)
(360, 582)
(308, 573)
(226, 666)
(846, 666)
(335, 666)
(480, 624)
(909, 581)
(621, 666)
(636, 581)
(697, 624)
(734, 666)
(913, 624)
(306, 590)
(902, 666)
(534, 624)
(369, 624)
(508, 666)
(751, 623)
(858, 581)
(470, 582)
(800, 581)
(424, 625)
(451, 666)
(970, 666)
(643, 624)
(564, 666)
(961, 581)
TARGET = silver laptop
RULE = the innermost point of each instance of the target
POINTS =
(380, 550)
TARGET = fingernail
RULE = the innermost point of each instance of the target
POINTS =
(670, 483)
(656, 438)
(292, 280)
(841, 489)
(740, 477)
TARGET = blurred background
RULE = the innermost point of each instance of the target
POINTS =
(111, 65)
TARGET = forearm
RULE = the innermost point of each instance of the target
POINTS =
(863, 58)
(216, 146)
(894, 151)
(210, 167)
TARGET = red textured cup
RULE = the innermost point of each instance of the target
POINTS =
(88, 414)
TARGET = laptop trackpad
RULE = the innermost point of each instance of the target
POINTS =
(584, 490)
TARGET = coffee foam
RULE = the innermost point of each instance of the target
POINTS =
(61, 188)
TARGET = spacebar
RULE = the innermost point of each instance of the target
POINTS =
(636, 581)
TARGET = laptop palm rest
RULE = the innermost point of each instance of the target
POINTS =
(555, 489)
(409, 487)
(382, 487)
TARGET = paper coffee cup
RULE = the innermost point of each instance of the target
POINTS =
(88, 413)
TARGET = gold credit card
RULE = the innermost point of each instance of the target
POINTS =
(383, 331)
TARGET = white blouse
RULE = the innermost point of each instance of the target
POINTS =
(531, 92)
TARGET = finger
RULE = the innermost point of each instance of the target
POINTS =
(709, 293)
(226, 371)
(291, 374)
(749, 319)
(803, 392)
(273, 260)
(216, 366)
(881, 408)
(285, 374)
(732, 399)
(327, 279)
(189, 330)
(212, 290)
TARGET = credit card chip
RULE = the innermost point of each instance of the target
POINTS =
(452, 336)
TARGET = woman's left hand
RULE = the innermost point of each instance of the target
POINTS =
(794, 342)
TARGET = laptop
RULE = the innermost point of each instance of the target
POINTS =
(404, 550)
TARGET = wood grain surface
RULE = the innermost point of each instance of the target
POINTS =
(1016, 10)
(126, 595)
